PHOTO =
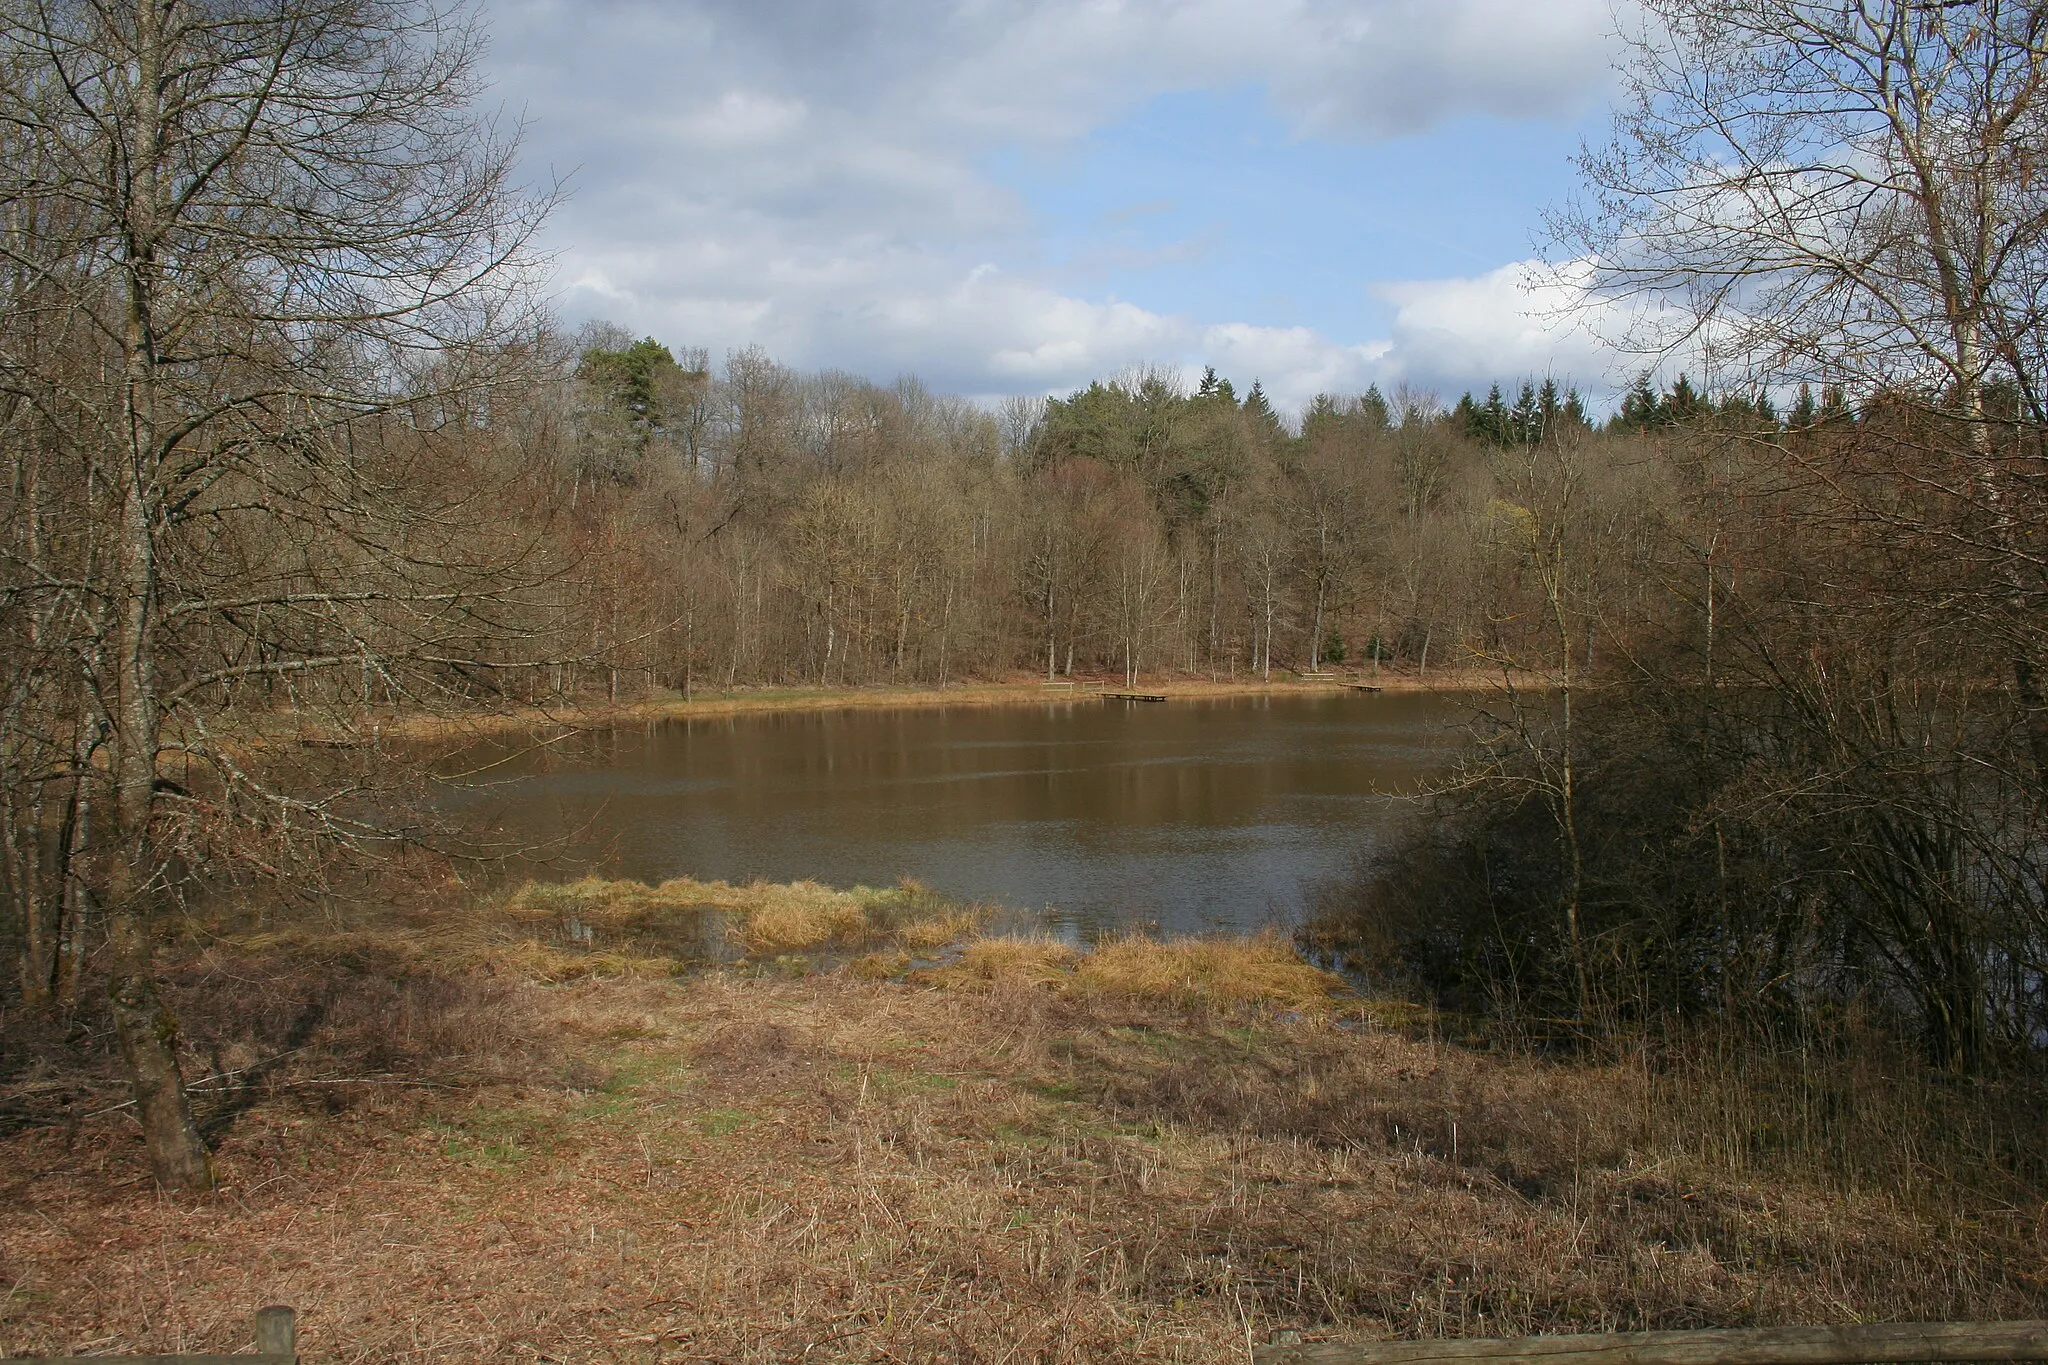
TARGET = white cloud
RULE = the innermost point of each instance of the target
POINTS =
(807, 175)
(744, 118)
(1522, 320)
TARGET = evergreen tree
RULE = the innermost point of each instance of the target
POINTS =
(1525, 420)
(1804, 409)
(627, 378)
(1641, 407)
(1548, 408)
(1265, 422)
(1494, 417)
(1684, 403)
(1574, 412)
(1373, 408)
(1465, 416)
(1491, 421)
(1321, 416)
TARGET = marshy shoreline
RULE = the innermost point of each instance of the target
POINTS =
(746, 701)
(886, 1126)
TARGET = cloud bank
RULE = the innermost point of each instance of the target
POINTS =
(810, 175)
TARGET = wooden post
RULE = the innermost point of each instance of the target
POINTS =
(1863, 1344)
(277, 1332)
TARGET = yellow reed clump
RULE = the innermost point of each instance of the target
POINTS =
(1261, 970)
(1031, 960)
(796, 915)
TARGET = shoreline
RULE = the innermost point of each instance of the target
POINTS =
(884, 696)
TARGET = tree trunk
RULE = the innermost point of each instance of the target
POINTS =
(148, 1032)
(149, 1044)
(74, 906)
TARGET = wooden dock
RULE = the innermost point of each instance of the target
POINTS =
(1365, 687)
(1132, 696)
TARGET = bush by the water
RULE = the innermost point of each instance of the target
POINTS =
(1764, 860)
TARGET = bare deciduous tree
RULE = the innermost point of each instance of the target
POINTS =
(259, 257)
(1852, 194)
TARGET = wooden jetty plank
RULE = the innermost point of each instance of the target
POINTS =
(156, 1359)
(1132, 696)
(277, 1343)
(1860, 1344)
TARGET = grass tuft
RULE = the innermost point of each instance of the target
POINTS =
(1262, 972)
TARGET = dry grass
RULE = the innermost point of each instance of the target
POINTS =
(1011, 960)
(765, 917)
(1153, 1152)
(1222, 973)
(1029, 691)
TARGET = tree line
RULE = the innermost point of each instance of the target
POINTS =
(756, 524)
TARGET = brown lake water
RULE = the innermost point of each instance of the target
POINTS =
(1189, 816)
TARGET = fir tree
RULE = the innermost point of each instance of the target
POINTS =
(1574, 412)
(1641, 407)
(1323, 415)
(1548, 408)
(1465, 416)
(1803, 408)
(1525, 420)
(1684, 402)
(1373, 408)
(1265, 422)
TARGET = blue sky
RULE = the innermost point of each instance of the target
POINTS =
(1018, 196)
(1207, 202)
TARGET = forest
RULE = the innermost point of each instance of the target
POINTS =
(759, 525)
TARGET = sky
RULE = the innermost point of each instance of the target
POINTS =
(1021, 196)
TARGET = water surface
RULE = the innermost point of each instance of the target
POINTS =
(1185, 815)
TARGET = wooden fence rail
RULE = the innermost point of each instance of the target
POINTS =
(1869, 1344)
(277, 1343)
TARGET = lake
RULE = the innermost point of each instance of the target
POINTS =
(1189, 815)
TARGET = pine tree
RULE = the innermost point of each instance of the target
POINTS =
(1548, 409)
(1373, 408)
(1525, 420)
(1641, 407)
(1465, 416)
(1574, 413)
(1265, 422)
(1804, 409)
(1684, 402)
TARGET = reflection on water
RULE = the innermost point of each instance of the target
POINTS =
(1190, 815)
